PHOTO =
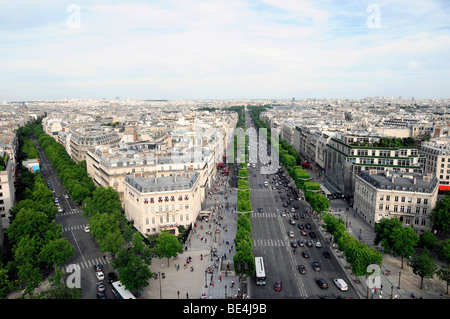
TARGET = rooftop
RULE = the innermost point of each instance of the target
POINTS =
(162, 184)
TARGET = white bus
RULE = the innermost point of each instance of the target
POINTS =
(260, 271)
(118, 289)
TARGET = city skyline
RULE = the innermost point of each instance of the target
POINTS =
(224, 50)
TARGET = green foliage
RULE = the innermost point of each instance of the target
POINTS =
(168, 246)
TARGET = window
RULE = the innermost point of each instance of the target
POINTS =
(187, 217)
(395, 208)
(424, 211)
(396, 198)
(381, 206)
(387, 207)
(403, 199)
(388, 198)
(417, 210)
(402, 209)
(418, 201)
(425, 201)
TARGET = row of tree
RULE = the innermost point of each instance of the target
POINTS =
(35, 242)
(357, 254)
(243, 259)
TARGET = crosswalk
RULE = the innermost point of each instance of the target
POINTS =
(87, 264)
(76, 227)
(71, 212)
(271, 215)
(268, 242)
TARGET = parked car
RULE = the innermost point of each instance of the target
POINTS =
(100, 275)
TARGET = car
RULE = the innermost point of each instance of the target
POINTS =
(292, 221)
(296, 206)
(282, 196)
(60, 210)
(100, 275)
(300, 243)
(301, 269)
(316, 266)
(300, 226)
(260, 209)
(312, 234)
(87, 229)
(112, 277)
(293, 209)
(101, 295)
(303, 233)
(293, 244)
(283, 214)
(278, 286)
(285, 204)
(308, 225)
(291, 234)
(309, 243)
(326, 254)
(341, 284)
(302, 215)
(66, 196)
(98, 267)
(100, 286)
(318, 244)
(296, 216)
(305, 254)
(322, 283)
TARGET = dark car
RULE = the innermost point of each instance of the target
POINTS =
(282, 197)
(305, 254)
(101, 295)
(291, 221)
(309, 243)
(293, 244)
(278, 286)
(301, 269)
(285, 204)
(316, 266)
(296, 206)
(322, 283)
(312, 234)
(326, 254)
(296, 216)
(300, 226)
(308, 225)
(303, 233)
(260, 209)
(300, 242)
(111, 277)
(98, 267)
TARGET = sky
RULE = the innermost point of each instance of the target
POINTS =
(217, 49)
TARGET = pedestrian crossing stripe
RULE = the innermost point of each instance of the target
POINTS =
(86, 264)
(74, 227)
(70, 212)
(271, 215)
(271, 242)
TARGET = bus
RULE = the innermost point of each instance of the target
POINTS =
(118, 289)
(260, 271)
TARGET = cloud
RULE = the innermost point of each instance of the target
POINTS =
(207, 48)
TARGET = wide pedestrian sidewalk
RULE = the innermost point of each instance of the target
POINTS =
(210, 246)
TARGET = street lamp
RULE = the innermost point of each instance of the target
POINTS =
(206, 286)
(163, 275)
(399, 276)
(225, 291)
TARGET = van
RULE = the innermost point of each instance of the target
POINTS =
(341, 284)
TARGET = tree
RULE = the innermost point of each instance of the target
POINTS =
(424, 266)
(56, 252)
(404, 241)
(135, 275)
(440, 215)
(443, 272)
(167, 245)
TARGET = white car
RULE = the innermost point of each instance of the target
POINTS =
(87, 229)
(66, 196)
(318, 244)
(341, 284)
(60, 210)
(291, 234)
(100, 275)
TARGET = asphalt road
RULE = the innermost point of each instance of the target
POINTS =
(271, 241)
(86, 251)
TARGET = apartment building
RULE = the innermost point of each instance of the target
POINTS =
(437, 154)
(7, 187)
(110, 166)
(155, 204)
(347, 154)
(407, 196)
(81, 142)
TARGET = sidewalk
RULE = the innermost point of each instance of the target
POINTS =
(210, 253)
